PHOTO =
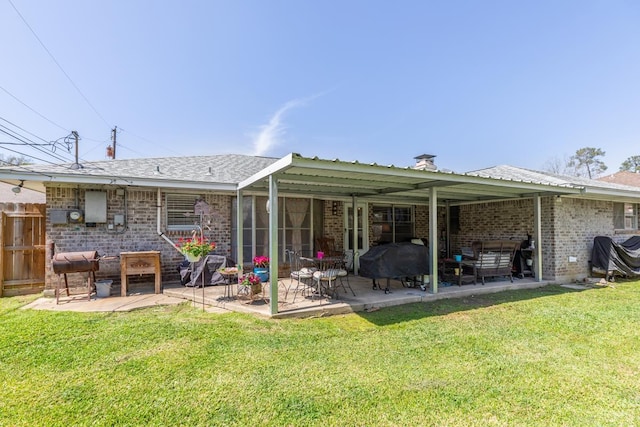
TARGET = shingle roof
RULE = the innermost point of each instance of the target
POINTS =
(528, 175)
(623, 177)
(223, 168)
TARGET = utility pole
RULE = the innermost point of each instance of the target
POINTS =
(114, 132)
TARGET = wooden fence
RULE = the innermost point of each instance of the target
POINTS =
(22, 240)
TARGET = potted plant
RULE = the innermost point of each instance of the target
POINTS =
(195, 248)
(250, 284)
(261, 267)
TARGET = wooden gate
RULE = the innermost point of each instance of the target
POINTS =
(22, 239)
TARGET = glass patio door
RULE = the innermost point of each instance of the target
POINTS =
(362, 232)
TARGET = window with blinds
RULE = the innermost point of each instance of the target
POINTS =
(180, 211)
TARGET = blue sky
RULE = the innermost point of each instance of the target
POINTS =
(476, 83)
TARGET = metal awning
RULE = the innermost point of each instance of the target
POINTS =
(335, 179)
(339, 180)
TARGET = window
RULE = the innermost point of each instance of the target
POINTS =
(180, 211)
(294, 226)
(625, 216)
(392, 223)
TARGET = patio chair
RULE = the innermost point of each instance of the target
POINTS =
(325, 280)
(343, 274)
(301, 276)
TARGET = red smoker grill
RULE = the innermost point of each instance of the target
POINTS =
(75, 262)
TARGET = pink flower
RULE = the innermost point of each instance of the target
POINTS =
(261, 262)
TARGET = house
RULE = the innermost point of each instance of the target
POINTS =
(623, 177)
(149, 204)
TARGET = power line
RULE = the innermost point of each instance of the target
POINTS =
(50, 121)
(26, 141)
(24, 130)
(25, 168)
(47, 119)
(29, 143)
(25, 155)
(144, 139)
(58, 64)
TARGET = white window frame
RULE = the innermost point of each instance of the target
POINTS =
(625, 216)
(179, 211)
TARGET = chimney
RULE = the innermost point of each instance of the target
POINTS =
(425, 162)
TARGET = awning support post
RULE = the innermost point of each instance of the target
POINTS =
(433, 238)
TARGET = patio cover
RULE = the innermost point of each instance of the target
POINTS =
(354, 181)
(336, 180)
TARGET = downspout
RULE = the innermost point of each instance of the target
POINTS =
(159, 222)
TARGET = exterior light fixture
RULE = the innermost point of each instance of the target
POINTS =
(18, 188)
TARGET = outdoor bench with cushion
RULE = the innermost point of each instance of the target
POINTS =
(492, 258)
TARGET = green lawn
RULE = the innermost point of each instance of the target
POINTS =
(545, 357)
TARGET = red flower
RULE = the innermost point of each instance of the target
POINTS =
(261, 262)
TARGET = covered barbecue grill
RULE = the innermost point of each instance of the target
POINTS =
(612, 258)
(395, 261)
(75, 262)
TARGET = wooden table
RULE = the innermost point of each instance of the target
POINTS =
(132, 263)
(455, 270)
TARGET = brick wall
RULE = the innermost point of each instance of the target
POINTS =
(139, 235)
(333, 225)
(576, 223)
(506, 220)
(568, 227)
(421, 215)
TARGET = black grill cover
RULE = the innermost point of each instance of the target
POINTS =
(394, 260)
(622, 258)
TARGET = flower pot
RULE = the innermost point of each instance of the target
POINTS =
(192, 258)
(103, 288)
(256, 289)
(262, 273)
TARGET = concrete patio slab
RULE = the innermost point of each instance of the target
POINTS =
(80, 303)
(215, 299)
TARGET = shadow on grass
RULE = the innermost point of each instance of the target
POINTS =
(414, 311)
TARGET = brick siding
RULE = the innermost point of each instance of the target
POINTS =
(140, 234)
(568, 228)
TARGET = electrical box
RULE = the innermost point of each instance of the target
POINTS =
(95, 206)
(57, 216)
(118, 219)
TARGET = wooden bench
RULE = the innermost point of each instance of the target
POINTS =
(493, 258)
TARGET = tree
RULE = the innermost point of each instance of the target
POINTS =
(632, 164)
(559, 166)
(14, 160)
(587, 163)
